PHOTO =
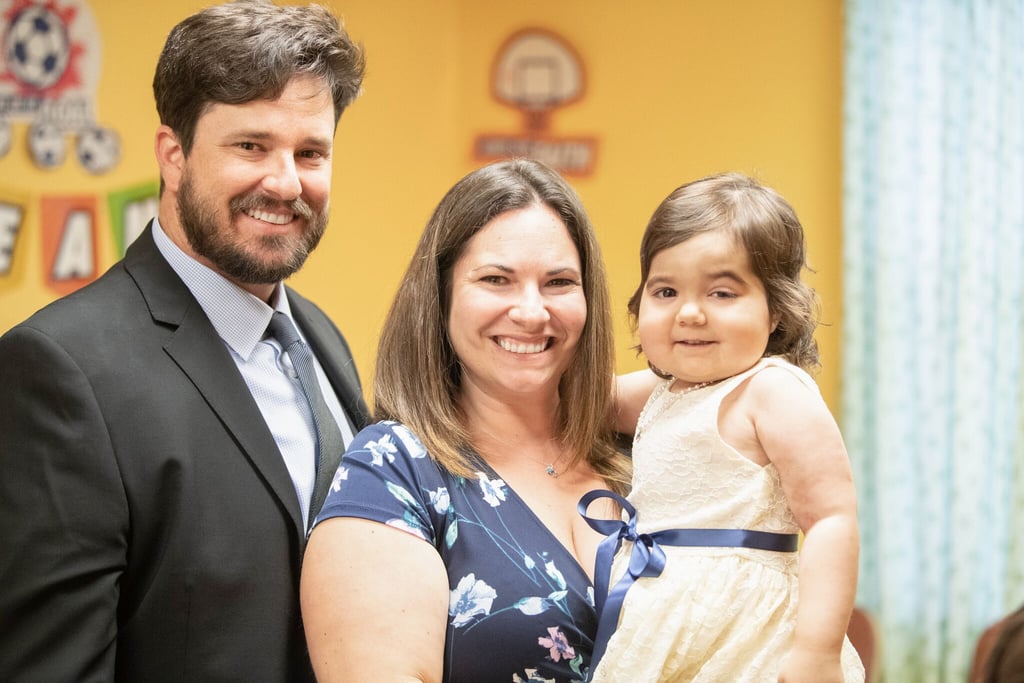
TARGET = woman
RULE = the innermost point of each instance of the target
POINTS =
(450, 548)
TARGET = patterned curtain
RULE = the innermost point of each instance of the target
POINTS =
(933, 350)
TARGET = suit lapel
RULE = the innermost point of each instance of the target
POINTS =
(202, 356)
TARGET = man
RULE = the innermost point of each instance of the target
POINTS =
(158, 458)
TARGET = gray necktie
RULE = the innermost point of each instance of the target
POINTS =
(328, 436)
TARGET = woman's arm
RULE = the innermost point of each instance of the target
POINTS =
(799, 435)
(374, 604)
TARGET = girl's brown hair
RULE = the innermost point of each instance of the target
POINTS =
(768, 227)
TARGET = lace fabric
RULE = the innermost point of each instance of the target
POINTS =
(715, 614)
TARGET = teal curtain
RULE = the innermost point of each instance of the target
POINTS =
(933, 378)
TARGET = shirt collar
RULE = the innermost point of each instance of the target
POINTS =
(239, 317)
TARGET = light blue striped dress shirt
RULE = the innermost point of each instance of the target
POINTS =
(241, 320)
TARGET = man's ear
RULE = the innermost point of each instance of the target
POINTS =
(170, 157)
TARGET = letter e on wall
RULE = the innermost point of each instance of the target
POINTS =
(10, 226)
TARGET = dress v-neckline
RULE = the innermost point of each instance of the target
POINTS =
(490, 471)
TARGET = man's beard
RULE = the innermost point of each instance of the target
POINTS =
(230, 256)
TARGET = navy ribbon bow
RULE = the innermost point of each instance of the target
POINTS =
(648, 559)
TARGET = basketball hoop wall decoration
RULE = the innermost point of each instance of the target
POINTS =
(537, 71)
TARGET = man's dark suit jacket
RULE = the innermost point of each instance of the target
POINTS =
(149, 529)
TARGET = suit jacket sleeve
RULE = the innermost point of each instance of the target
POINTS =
(63, 518)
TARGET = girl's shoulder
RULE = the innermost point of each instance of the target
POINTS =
(772, 384)
(775, 373)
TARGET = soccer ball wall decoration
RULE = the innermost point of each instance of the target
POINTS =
(6, 135)
(37, 46)
(46, 144)
(98, 149)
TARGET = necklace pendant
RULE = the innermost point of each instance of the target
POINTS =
(551, 471)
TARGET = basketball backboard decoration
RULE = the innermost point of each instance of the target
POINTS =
(537, 71)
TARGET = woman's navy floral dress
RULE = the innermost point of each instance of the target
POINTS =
(521, 608)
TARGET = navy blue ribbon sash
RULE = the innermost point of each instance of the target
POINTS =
(648, 559)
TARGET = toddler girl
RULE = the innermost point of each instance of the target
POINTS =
(735, 452)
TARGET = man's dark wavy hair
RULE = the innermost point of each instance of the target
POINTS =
(249, 50)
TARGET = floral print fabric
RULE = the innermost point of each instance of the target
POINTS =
(521, 609)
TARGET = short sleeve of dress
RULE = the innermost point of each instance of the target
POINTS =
(387, 477)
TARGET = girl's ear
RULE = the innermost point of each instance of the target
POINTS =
(775, 322)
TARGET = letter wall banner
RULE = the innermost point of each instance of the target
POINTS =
(68, 224)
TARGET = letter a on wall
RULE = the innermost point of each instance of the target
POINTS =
(69, 242)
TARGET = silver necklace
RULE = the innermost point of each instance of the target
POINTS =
(551, 471)
(667, 403)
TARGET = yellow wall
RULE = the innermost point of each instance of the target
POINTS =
(676, 89)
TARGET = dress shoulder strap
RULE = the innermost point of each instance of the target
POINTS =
(727, 385)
